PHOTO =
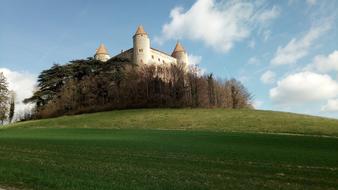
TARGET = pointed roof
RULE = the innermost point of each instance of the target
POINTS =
(178, 47)
(102, 50)
(140, 30)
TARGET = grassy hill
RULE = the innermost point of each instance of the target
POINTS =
(218, 120)
(195, 149)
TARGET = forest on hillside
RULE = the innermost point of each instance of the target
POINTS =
(89, 85)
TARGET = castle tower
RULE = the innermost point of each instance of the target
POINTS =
(141, 42)
(180, 54)
(102, 54)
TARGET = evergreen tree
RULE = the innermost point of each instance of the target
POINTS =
(211, 89)
(11, 107)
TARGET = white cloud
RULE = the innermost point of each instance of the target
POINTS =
(291, 2)
(311, 2)
(325, 64)
(257, 104)
(194, 59)
(331, 106)
(253, 61)
(219, 24)
(298, 48)
(23, 84)
(252, 44)
(304, 87)
(266, 35)
(267, 15)
(268, 77)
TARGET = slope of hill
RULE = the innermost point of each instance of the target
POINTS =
(194, 150)
(219, 120)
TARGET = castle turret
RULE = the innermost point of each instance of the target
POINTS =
(141, 54)
(180, 54)
(102, 53)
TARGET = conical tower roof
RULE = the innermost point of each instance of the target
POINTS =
(178, 48)
(140, 30)
(102, 50)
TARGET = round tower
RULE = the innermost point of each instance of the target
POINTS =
(102, 53)
(141, 44)
(180, 54)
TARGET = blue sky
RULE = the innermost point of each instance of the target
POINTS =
(285, 52)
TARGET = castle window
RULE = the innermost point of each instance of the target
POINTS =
(140, 50)
(163, 61)
(152, 56)
(159, 59)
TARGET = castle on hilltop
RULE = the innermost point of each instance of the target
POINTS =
(143, 53)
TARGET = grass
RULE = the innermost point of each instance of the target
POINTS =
(218, 120)
(125, 150)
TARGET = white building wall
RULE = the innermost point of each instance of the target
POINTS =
(157, 57)
(141, 53)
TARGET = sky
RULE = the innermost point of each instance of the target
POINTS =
(284, 52)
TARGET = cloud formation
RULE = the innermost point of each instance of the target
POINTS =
(311, 2)
(194, 59)
(257, 104)
(253, 61)
(23, 84)
(325, 64)
(219, 24)
(299, 48)
(252, 44)
(331, 106)
(304, 87)
(268, 77)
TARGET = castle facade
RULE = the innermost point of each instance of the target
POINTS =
(143, 53)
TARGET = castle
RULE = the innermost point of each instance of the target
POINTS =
(143, 53)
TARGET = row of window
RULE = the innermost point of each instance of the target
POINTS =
(158, 59)
(152, 56)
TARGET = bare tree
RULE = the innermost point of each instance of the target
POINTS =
(3, 98)
(239, 95)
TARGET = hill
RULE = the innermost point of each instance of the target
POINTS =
(218, 120)
(195, 149)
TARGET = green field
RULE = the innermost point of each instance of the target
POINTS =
(171, 149)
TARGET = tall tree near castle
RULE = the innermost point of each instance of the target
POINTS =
(50, 81)
(211, 89)
(11, 106)
(3, 98)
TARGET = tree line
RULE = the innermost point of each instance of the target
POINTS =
(89, 85)
(7, 101)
